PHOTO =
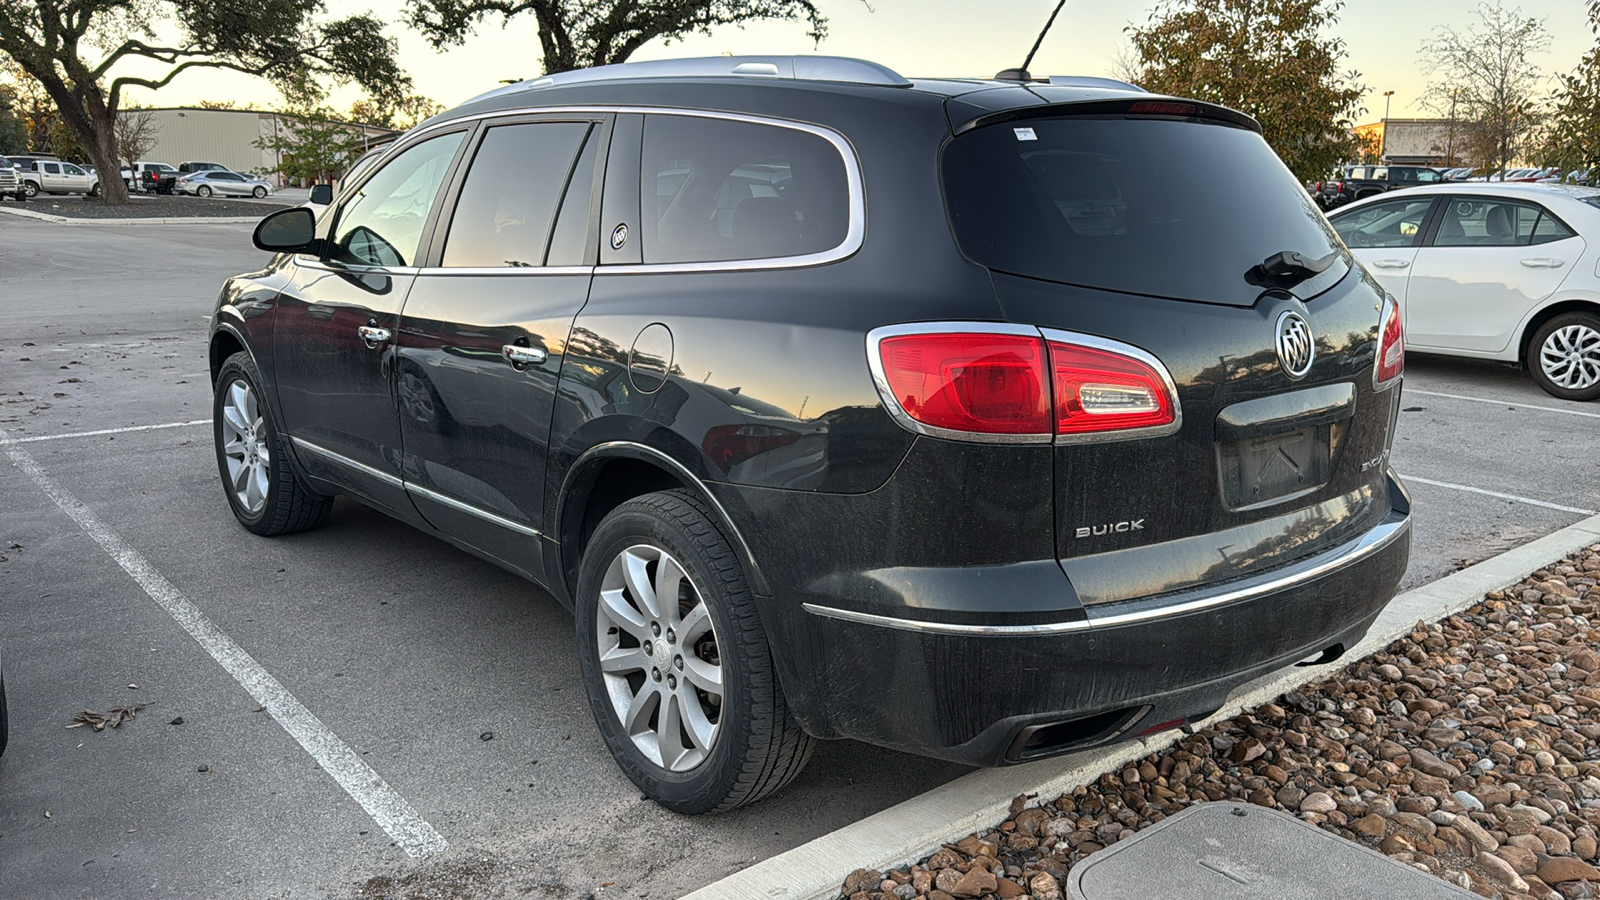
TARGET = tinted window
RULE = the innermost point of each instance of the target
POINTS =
(1428, 176)
(508, 202)
(382, 223)
(715, 189)
(52, 169)
(1486, 223)
(1115, 203)
(223, 176)
(1380, 174)
(1392, 223)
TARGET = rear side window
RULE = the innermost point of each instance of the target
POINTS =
(1158, 207)
(1496, 223)
(718, 189)
(509, 199)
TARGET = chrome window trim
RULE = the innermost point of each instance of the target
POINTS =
(1095, 342)
(312, 262)
(506, 270)
(855, 233)
(471, 510)
(388, 479)
(343, 460)
(1348, 554)
(880, 379)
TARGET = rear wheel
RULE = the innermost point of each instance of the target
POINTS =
(1564, 356)
(677, 666)
(95, 191)
(265, 494)
(203, 190)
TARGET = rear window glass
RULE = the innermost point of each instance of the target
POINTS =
(1157, 207)
(715, 189)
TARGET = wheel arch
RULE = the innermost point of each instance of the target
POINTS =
(225, 343)
(612, 473)
(1538, 319)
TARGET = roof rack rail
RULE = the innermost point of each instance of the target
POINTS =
(1091, 81)
(800, 68)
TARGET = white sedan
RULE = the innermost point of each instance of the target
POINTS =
(1507, 272)
(222, 184)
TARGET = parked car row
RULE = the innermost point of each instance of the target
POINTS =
(26, 176)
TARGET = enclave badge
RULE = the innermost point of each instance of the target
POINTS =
(1296, 347)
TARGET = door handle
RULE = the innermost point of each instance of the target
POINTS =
(374, 335)
(519, 356)
(1543, 263)
(1391, 263)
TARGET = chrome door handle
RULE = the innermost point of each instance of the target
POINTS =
(1543, 263)
(374, 335)
(518, 355)
(1391, 263)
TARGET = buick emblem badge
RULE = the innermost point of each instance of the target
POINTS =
(1295, 345)
(619, 236)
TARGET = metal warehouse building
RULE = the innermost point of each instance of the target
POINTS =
(226, 136)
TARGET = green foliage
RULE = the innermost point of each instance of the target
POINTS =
(1572, 135)
(576, 34)
(13, 131)
(310, 146)
(1486, 72)
(71, 46)
(1272, 59)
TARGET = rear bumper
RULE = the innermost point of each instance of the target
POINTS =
(992, 694)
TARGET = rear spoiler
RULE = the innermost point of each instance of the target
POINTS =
(1136, 107)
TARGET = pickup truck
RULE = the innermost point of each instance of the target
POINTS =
(56, 177)
(1357, 182)
(11, 182)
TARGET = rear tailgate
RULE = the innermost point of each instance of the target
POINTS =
(1152, 231)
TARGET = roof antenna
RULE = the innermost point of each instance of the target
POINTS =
(1022, 73)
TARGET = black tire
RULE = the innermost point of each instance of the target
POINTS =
(289, 506)
(759, 747)
(95, 191)
(1578, 320)
(259, 193)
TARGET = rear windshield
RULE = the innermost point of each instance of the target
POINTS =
(1158, 207)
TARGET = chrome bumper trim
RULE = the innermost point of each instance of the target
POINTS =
(1347, 554)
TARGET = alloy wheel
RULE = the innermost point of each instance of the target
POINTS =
(659, 658)
(1570, 357)
(203, 191)
(244, 445)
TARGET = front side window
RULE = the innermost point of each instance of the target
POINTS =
(1488, 223)
(72, 170)
(224, 176)
(1392, 223)
(717, 189)
(1428, 176)
(509, 199)
(381, 224)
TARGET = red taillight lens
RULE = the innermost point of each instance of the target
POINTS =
(1391, 347)
(1099, 390)
(979, 383)
(1018, 384)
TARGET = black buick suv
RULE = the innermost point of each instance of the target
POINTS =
(949, 415)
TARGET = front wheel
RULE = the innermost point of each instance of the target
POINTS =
(1564, 356)
(31, 189)
(95, 191)
(259, 193)
(678, 669)
(265, 494)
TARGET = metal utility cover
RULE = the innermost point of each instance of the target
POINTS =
(1238, 851)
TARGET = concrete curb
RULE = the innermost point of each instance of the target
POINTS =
(911, 830)
(171, 220)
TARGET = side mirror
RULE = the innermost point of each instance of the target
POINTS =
(322, 194)
(290, 230)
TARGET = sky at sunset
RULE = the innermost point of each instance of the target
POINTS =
(927, 37)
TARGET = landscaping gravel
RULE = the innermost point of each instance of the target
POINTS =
(1469, 749)
(160, 206)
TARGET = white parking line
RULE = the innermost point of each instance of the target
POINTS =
(1554, 409)
(5, 441)
(1473, 490)
(386, 807)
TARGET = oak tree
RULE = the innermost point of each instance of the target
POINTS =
(576, 34)
(1273, 59)
(76, 48)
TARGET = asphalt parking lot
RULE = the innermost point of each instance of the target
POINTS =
(400, 673)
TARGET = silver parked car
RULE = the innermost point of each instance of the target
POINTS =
(224, 184)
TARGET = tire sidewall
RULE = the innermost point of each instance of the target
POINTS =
(702, 788)
(259, 193)
(1536, 366)
(203, 191)
(239, 367)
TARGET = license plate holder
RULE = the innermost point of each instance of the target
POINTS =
(1259, 471)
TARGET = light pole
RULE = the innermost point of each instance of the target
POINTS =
(1383, 137)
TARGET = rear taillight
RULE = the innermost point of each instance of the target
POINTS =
(1098, 391)
(1391, 347)
(1014, 383)
(970, 382)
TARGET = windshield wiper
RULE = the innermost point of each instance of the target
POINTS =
(1287, 268)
